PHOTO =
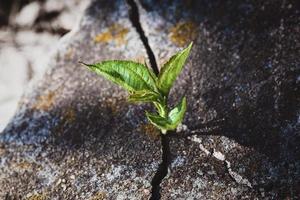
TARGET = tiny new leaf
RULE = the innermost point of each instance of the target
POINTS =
(175, 117)
(158, 121)
(130, 75)
(171, 70)
(161, 109)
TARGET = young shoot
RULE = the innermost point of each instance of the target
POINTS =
(146, 87)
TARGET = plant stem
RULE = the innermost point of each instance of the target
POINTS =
(165, 108)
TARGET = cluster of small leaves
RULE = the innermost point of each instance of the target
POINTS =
(145, 86)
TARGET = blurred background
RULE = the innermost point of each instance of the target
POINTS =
(29, 31)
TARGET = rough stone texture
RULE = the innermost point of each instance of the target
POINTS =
(75, 137)
(244, 68)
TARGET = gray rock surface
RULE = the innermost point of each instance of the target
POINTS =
(245, 69)
(75, 137)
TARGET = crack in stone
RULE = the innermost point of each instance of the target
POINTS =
(135, 20)
(221, 157)
(163, 167)
(237, 177)
(162, 170)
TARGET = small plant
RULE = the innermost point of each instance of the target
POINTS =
(146, 87)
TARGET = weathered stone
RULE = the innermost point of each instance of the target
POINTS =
(75, 137)
(244, 68)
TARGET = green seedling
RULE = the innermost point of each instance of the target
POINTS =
(146, 87)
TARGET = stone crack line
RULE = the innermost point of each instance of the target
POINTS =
(163, 167)
(134, 17)
(221, 157)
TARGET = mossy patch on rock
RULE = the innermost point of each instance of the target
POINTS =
(37, 197)
(45, 102)
(116, 32)
(183, 33)
(99, 196)
(115, 105)
(24, 165)
(150, 131)
(69, 115)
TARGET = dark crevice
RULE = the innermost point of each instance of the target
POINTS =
(162, 170)
(135, 20)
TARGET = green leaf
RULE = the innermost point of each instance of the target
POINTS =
(175, 117)
(161, 108)
(130, 75)
(171, 70)
(158, 121)
(144, 96)
(177, 114)
(152, 74)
